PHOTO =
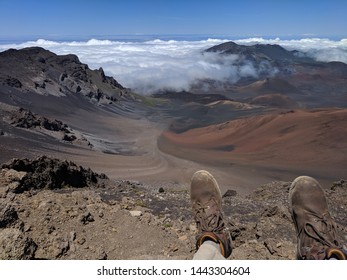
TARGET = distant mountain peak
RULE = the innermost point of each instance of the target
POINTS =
(264, 51)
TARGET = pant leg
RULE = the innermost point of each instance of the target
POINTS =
(209, 250)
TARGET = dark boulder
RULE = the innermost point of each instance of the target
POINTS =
(8, 215)
(69, 137)
(230, 193)
(49, 173)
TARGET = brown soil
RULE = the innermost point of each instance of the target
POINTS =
(311, 141)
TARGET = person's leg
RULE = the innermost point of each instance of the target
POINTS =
(209, 250)
(317, 237)
(213, 239)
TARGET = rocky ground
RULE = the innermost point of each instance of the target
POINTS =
(52, 209)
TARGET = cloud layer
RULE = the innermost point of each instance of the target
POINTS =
(176, 65)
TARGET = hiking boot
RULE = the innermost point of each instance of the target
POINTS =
(316, 231)
(207, 208)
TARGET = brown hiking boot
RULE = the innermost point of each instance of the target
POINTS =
(316, 231)
(207, 208)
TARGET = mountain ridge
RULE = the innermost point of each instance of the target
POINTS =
(38, 70)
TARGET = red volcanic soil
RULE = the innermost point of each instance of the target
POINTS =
(302, 142)
(274, 100)
(270, 85)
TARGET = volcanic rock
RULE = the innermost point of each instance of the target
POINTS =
(8, 215)
(45, 172)
(15, 245)
(26, 119)
(38, 70)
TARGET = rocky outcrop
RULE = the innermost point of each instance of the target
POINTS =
(41, 71)
(26, 119)
(23, 118)
(45, 172)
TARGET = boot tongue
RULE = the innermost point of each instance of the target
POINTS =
(319, 225)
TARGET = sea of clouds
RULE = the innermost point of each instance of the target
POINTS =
(175, 65)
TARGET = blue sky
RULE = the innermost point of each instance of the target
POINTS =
(87, 18)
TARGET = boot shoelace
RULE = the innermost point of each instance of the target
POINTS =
(214, 220)
(323, 237)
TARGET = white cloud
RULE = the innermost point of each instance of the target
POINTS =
(154, 65)
(321, 49)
